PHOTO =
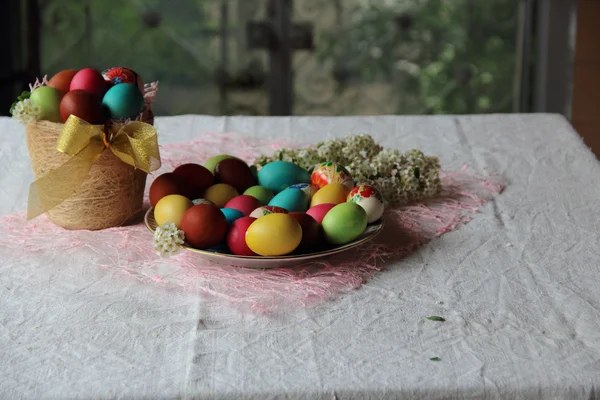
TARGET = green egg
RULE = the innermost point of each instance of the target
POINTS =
(212, 162)
(344, 223)
(124, 101)
(261, 193)
(48, 99)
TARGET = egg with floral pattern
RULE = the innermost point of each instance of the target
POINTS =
(308, 188)
(330, 172)
(116, 75)
(369, 199)
(266, 210)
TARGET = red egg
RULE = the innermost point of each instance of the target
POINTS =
(167, 184)
(310, 229)
(84, 105)
(197, 176)
(90, 80)
(236, 173)
(318, 212)
(236, 238)
(62, 80)
(244, 203)
(204, 226)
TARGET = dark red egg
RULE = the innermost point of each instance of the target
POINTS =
(84, 105)
(244, 203)
(236, 237)
(90, 80)
(167, 184)
(236, 173)
(310, 229)
(204, 226)
(197, 176)
(62, 80)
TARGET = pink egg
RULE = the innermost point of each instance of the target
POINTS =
(318, 212)
(244, 203)
(90, 80)
(236, 238)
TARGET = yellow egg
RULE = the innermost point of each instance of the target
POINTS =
(274, 235)
(171, 209)
(334, 193)
(220, 194)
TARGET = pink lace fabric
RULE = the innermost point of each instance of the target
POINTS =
(128, 251)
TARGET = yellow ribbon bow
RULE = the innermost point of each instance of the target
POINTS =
(135, 143)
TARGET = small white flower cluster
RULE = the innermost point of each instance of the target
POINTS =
(167, 239)
(26, 112)
(399, 177)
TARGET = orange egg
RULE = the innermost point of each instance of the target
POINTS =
(62, 80)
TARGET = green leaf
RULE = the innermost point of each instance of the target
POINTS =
(12, 107)
(24, 95)
(417, 172)
(436, 318)
(435, 359)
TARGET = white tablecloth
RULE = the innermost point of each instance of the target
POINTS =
(519, 287)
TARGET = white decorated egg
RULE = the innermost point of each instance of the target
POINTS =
(369, 199)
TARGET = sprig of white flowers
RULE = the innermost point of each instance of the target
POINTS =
(399, 177)
(25, 112)
(167, 239)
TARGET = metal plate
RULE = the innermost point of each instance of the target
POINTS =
(260, 262)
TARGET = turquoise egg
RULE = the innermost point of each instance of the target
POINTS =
(292, 199)
(123, 101)
(231, 214)
(278, 175)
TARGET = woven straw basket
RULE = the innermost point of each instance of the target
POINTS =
(112, 196)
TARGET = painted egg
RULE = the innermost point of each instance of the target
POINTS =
(231, 214)
(84, 105)
(202, 201)
(204, 226)
(212, 162)
(310, 229)
(234, 172)
(319, 211)
(368, 198)
(278, 175)
(244, 203)
(123, 101)
(116, 75)
(236, 237)
(263, 194)
(220, 194)
(171, 209)
(165, 185)
(274, 235)
(48, 99)
(62, 80)
(266, 210)
(307, 188)
(198, 177)
(90, 80)
(330, 172)
(334, 193)
(292, 199)
(344, 223)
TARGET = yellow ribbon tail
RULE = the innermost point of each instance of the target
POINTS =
(60, 184)
(135, 144)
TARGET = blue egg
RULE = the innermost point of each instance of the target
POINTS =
(278, 175)
(231, 214)
(123, 101)
(292, 199)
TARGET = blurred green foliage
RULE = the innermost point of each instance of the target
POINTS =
(452, 56)
(436, 56)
